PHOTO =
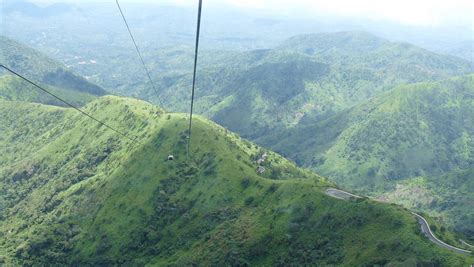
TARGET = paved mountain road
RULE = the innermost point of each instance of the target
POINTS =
(465, 243)
(425, 227)
(336, 193)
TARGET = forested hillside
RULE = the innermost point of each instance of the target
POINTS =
(88, 197)
(254, 93)
(419, 130)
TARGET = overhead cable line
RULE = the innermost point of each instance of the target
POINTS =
(194, 71)
(69, 104)
(138, 52)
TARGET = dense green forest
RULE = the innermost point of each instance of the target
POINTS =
(89, 197)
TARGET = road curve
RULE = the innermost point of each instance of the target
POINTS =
(465, 243)
(425, 227)
(336, 193)
(426, 230)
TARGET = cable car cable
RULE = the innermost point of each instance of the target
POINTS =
(138, 52)
(194, 71)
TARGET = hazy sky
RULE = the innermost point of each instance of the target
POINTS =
(409, 12)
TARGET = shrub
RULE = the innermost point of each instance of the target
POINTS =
(249, 201)
(272, 188)
(245, 183)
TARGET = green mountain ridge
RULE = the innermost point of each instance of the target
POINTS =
(14, 88)
(255, 92)
(372, 51)
(87, 197)
(41, 68)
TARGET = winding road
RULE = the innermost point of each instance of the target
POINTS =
(465, 243)
(425, 227)
(336, 193)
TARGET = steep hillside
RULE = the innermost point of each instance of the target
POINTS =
(253, 93)
(433, 119)
(41, 68)
(87, 197)
(424, 129)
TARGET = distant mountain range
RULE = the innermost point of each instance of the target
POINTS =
(30, 9)
(256, 92)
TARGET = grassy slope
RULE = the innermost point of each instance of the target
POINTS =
(424, 129)
(76, 193)
(40, 68)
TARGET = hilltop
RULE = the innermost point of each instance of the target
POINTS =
(88, 197)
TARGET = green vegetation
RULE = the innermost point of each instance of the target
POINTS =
(41, 68)
(424, 129)
(446, 198)
(14, 88)
(75, 193)
(257, 92)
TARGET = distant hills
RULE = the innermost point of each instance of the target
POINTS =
(462, 49)
(259, 91)
(88, 197)
(30, 9)
(41, 69)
